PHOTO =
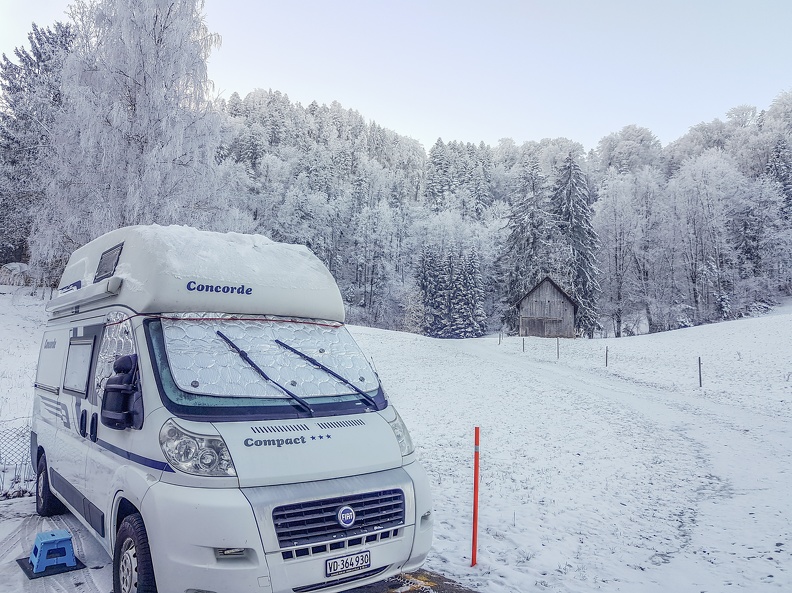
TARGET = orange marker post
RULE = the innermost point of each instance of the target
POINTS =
(475, 498)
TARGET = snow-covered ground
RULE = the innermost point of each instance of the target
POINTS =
(22, 318)
(627, 478)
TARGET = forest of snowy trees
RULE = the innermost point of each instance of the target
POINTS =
(108, 120)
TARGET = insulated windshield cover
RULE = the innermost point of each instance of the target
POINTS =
(204, 363)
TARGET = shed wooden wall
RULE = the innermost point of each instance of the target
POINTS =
(547, 313)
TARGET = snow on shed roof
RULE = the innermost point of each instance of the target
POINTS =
(179, 268)
(557, 287)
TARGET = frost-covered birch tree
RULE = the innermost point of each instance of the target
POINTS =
(136, 137)
(616, 225)
(655, 251)
(706, 194)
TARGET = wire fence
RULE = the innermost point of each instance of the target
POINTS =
(16, 472)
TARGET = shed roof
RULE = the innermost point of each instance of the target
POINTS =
(557, 287)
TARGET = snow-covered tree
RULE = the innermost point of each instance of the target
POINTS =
(654, 253)
(573, 216)
(430, 283)
(629, 150)
(438, 176)
(136, 138)
(616, 225)
(474, 283)
(706, 193)
(779, 169)
(29, 103)
(778, 118)
(452, 291)
(529, 247)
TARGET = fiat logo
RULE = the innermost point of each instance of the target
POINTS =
(346, 517)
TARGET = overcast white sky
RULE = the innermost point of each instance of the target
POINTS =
(484, 70)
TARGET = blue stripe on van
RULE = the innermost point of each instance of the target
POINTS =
(152, 463)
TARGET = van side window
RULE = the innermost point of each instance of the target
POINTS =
(78, 365)
(117, 341)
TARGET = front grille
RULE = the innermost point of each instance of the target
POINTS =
(340, 544)
(315, 521)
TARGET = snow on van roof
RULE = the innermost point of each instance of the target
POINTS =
(179, 268)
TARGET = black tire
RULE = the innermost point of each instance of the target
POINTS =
(47, 504)
(132, 568)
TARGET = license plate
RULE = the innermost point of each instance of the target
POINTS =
(345, 564)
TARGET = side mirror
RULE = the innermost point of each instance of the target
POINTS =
(122, 404)
(122, 410)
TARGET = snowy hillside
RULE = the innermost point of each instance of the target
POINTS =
(621, 478)
(625, 478)
(21, 320)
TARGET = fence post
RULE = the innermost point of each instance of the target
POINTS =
(699, 371)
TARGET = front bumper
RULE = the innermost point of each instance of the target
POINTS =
(301, 567)
(186, 526)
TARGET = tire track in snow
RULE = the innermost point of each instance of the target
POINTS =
(547, 462)
(739, 527)
(598, 472)
(18, 543)
(13, 543)
(82, 581)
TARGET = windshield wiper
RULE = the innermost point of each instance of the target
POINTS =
(244, 356)
(330, 372)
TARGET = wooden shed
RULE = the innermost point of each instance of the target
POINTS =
(547, 311)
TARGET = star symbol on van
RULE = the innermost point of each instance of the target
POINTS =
(328, 436)
(313, 438)
(320, 437)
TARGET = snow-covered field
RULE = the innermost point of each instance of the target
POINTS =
(627, 478)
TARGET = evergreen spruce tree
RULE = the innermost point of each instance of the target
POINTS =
(481, 181)
(452, 292)
(428, 283)
(29, 102)
(478, 317)
(460, 313)
(447, 275)
(779, 168)
(438, 176)
(529, 245)
(573, 215)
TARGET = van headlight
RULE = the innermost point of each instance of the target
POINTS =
(402, 435)
(196, 454)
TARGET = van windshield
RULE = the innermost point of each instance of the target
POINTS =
(219, 364)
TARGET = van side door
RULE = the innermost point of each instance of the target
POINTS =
(50, 412)
(67, 458)
(108, 449)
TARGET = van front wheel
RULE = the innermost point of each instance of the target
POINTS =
(46, 503)
(132, 568)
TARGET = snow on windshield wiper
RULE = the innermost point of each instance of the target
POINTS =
(244, 356)
(330, 372)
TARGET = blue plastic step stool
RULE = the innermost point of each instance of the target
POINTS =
(52, 548)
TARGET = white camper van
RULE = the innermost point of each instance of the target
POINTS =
(201, 408)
